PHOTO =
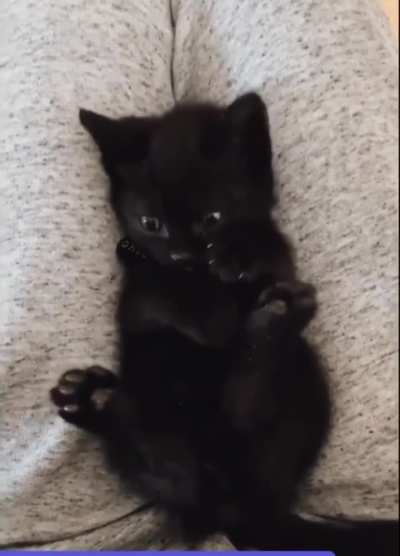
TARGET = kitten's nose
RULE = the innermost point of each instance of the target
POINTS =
(181, 256)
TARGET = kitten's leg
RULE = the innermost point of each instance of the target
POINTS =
(82, 396)
(277, 398)
(265, 352)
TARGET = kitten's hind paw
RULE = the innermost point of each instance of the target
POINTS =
(82, 396)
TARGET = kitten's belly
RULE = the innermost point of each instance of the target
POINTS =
(180, 418)
(187, 376)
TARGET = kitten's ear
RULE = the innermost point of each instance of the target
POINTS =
(247, 108)
(249, 122)
(126, 139)
(101, 128)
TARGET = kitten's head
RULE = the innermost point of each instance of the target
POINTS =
(180, 181)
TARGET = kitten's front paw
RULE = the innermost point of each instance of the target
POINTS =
(286, 305)
(81, 396)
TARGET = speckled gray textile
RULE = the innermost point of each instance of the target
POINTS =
(327, 72)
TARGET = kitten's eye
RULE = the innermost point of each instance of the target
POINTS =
(212, 219)
(150, 224)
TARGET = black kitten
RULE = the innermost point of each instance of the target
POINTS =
(220, 407)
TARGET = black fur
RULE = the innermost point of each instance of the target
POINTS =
(220, 407)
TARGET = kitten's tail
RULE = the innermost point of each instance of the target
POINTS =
(343, 538)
